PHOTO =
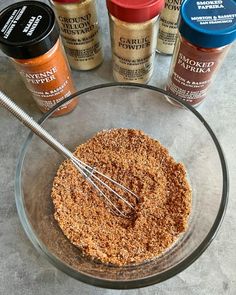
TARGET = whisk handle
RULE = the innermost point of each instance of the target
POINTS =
(8, 104)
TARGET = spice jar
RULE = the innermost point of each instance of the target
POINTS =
(133, 28)
(29, 35)
(168, 27)
(206, 30)
(80, 32)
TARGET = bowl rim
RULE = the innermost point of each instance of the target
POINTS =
(134, 283)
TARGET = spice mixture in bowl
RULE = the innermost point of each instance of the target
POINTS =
(131, 133)
(141, 164)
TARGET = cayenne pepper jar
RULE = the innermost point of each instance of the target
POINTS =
(168, 27)
(29, 35)
(206, 31)
(133, 28)
(80, 32)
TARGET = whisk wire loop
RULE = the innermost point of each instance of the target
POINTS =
(89, 173)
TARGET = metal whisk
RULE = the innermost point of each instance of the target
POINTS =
(90, 173)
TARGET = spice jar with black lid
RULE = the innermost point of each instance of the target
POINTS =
(133, 29)
(29, 35)
(206, 31)
(80, 32)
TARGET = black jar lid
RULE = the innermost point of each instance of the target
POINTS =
(27, 29)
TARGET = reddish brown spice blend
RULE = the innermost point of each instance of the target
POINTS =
(141, 164)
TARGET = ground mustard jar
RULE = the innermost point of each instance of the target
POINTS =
(29, 35)
(80, 32)
(133, 28)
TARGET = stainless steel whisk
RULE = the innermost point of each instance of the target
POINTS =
(90, 173)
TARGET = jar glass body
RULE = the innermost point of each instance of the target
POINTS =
(193, 69)
(48, 77)
(80, 33)
(168, 27)
(133, 49)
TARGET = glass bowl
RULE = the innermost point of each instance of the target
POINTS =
(182, 130)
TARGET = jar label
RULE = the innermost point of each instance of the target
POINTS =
(212, 15)
(24, 23)
(168, 26)
(133, 50)
(49, 80)
(193, 70)
(81, 33)
(45, 86)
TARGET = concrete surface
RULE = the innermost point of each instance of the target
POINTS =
(23, 271)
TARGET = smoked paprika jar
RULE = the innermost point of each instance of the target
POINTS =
(133, 29)
(29, 35)
(206, 31)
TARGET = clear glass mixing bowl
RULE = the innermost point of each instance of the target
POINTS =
(182, 130)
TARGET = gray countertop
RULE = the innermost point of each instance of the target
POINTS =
(23, 271)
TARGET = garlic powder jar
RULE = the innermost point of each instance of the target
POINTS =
(133, 29)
